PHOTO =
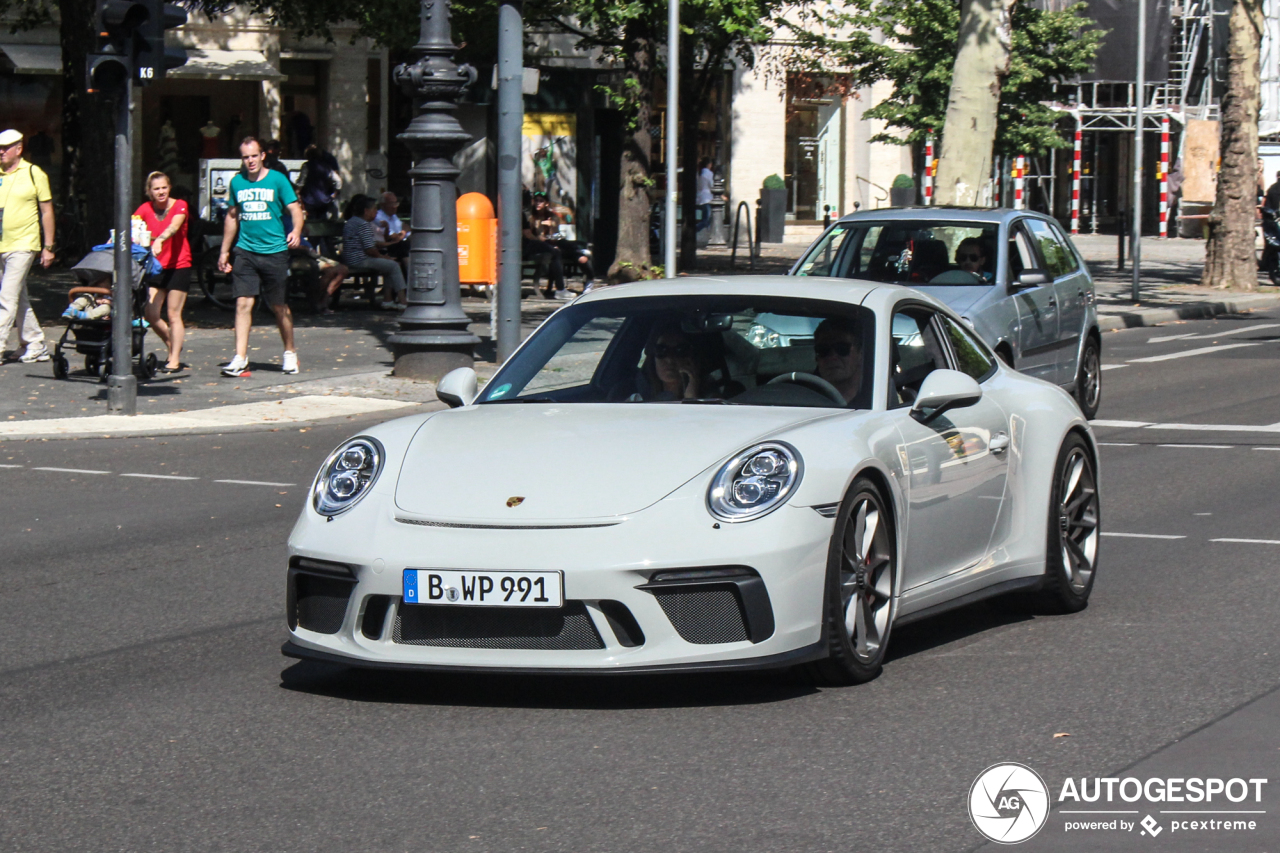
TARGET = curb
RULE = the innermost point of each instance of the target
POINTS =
(1112, 320)
(125, 429)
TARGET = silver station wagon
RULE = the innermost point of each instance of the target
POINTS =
(1013, 275)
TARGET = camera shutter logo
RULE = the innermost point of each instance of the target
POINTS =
(1008, 803)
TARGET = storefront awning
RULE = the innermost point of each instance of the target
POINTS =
(225, 65)
(32, 58)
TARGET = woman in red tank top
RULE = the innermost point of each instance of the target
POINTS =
(166, 219)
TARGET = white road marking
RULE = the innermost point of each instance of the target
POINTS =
(1250, 541)
(1267, 448)
(1122, 424)
(1272, 428)
(10, 466)
(1194, 337)
(1142, 535)
(1206, 446)
(253, 483)
(1117, 444)
(71, 470)
(1113, 366)
(160, 476)
(1188, 353)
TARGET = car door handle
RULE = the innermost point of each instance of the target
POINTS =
(1052, 301)
(999, 442)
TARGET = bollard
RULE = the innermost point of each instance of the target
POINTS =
(1120, 243)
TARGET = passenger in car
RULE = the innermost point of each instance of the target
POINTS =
(837, 348)
(678, 366)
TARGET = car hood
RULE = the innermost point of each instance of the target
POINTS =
(572, 461)
(959, 298)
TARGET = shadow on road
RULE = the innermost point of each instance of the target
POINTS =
(604, 692)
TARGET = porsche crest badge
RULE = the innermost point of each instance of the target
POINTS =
(514, 501)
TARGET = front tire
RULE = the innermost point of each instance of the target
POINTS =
(1089, 379)
(859, 599)
(1071, 557)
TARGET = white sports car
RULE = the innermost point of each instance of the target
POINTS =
(700, 474)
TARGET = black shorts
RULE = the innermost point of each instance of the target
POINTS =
(171, 280)
(263, 276)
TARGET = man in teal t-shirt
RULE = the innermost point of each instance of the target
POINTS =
(255, 227)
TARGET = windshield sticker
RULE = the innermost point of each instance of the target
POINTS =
(499, 391)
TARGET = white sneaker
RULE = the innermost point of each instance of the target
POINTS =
(31, 356)
(566, 295)
(237, 367)
(290, 362)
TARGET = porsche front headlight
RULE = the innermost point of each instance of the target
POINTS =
(347, 475)
(755, 482)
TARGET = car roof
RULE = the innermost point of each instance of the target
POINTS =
(943, 213)
(851, 291)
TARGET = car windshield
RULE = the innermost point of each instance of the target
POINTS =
(727, 350)
(905, 251)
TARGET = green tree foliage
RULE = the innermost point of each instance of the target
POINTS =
(919, 54)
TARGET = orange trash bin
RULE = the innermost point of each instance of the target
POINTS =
(477, 240)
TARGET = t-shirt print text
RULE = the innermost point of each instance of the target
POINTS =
(253, 203)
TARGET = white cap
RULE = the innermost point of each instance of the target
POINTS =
(9, 137)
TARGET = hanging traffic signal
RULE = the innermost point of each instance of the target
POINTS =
(116, 23)
(152, 59)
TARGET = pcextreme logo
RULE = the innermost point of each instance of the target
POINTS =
(1008, 803)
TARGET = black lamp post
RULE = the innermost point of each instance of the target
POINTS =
(433, 337)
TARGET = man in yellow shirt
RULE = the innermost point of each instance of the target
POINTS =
(26, 210)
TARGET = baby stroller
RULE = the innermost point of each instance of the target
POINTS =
(89, 332)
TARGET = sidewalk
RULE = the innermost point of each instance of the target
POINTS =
(346, 362)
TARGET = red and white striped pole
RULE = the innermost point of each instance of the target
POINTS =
(928, 168)
(1075, 181)
(1164, 176)
(1018, 183)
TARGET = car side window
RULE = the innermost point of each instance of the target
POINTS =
(914, 353)
(1021, 256)
(971, 357)
(1058, 260)
(1073, 263)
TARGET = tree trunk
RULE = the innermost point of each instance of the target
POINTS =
(632, 260)
(1229, 254)
(982, 61)
(88, 141)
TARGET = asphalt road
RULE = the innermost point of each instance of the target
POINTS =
(146, 705)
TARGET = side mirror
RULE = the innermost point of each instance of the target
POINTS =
(457, 387)
(943, 390)
(1032, 278)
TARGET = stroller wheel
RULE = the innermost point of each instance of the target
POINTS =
(149, 365)
(91, 363)
(60, 367)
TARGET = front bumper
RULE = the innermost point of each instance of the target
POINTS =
(770, 572)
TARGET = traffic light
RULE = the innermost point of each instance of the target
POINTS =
(130, 42)
(152, 59)
(116, 23)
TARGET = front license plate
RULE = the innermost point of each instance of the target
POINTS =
(483, 589)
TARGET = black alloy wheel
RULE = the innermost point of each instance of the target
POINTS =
(1071, 558)
(1089, 379)
(859, 601)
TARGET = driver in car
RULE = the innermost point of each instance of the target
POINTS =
(837, 347)
(971, 256)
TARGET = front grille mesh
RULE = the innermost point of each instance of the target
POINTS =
(704, 615)
(322, 602)
(566, 629)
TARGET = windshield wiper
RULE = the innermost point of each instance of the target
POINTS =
(712, 400)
